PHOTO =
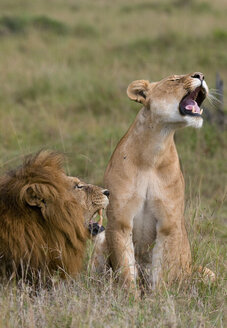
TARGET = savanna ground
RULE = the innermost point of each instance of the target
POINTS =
(64, 69)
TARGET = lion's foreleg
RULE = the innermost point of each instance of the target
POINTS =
(100, 256)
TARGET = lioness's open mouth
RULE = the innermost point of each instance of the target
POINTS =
(190, 104)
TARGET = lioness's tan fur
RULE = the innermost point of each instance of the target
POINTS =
(146, 229)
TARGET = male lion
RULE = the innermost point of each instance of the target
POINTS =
(146, 227)
(44, 216)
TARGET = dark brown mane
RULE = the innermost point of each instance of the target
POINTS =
(41, 224)
(39, 168)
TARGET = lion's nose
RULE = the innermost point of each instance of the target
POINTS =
(106, 192)
(198, 75)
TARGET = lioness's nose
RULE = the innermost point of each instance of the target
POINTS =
(106, 192)
(198, 75)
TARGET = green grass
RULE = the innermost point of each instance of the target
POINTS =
(20, 25)
(65, 67)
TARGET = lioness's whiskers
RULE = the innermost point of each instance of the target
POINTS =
(215, 91)
(213, 100)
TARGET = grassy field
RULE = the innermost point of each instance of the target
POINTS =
(64, 69)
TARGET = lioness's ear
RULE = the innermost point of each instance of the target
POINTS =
(32, 196)
(137, 90)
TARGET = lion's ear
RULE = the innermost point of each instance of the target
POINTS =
(32, 196)
(137, 90)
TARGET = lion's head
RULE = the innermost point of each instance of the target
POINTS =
(89, 197)
(175, 100)
(43, 216)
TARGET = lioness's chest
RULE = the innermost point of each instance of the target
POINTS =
(161, 196)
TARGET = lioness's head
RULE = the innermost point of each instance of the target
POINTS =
(175, 100)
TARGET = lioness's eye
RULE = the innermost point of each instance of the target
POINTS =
(78, 186)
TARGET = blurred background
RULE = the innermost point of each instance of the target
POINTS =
(65, 66)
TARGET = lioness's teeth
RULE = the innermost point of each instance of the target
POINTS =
(193, 109)
(201, 111)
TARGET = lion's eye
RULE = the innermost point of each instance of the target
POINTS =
(77, 186)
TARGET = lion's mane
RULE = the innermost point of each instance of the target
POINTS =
(41, 224)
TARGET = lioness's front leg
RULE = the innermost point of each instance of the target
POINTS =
(120, 245)
(171, 255)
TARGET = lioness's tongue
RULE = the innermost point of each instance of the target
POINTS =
(192, 105)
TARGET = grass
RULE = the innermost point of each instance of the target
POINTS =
(10, 25)
(20, 24)
(65, 67)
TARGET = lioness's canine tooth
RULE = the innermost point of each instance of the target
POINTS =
(201, 111)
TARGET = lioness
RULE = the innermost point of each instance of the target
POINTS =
(44, 217)
(146, 227)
